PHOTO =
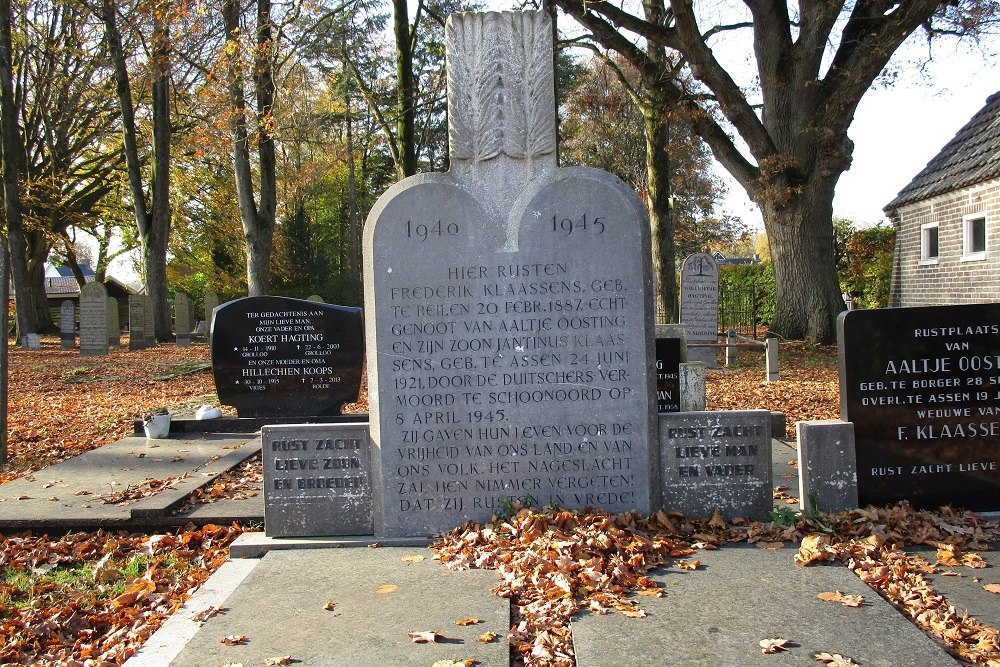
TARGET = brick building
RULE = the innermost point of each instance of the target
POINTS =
(947, 221)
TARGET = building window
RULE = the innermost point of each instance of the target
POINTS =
(974, 237)
(929, 243)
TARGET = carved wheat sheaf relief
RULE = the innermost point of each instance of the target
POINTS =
(529, 103)
(475, 67)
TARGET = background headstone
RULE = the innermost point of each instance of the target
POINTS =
(114, 327)
(278, 357)
(317, 480)
(93, 320)
(700, 307)
(717, 461)
(182, 319)
(67, 325)
(315, 297)
(827, 465)
(136, 322)
(31, 341)
(922, 386)
(148, 327)
(211, 303)
(509, 308)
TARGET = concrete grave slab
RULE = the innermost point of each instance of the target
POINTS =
(279, 607)
(717, 615)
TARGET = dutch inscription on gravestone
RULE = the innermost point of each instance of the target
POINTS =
(317, 480)
(922, 387)
(668, 360)
(700, 307)
(511, 359)
(279, 357)
(717, 461)
(136, 322)
(67, 325)
(93, 320)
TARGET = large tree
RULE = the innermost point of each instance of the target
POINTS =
(811, 65)
(152, 209)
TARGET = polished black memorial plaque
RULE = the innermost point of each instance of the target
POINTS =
(922, 386)
(278, 357)
(668, 389)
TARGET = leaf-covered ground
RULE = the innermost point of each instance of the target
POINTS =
(92, 598)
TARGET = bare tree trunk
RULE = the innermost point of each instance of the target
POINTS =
(258, 222)
(10, 143)
(801, 241)
(405, 93)
(661, 224)
(152, 222)
(37, 252)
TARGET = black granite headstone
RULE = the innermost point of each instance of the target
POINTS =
(922, 386)
(668, 389)
(278, 357)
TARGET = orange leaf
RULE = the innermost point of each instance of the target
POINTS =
(424, 636)
(386, 588)
(468, 621)
(487, 637)
(234, 640)
(992, 588)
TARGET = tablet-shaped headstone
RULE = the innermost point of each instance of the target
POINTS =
(93, 320)
(278, 357)
(148, 325)
(182, 319)
(67, 325)
(136, 322)
(317, 480)
(700, 307)
(509, 305)
(922, 387)
(114, 328)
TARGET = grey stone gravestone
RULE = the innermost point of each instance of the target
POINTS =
(93, 320)
(317, 480)
(922, 387)
(136, 322)
(828, 477)
(182, 319)
(700, 307)
(114, 328)
(508, 308)
(717, 461)
(148, 327)
(211, 303)
(67, 325)
(315, 297)
(31, 341)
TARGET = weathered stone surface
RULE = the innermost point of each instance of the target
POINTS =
(93, 320)
(317, 480)
(211, 303)
(700, 307)
(67, 325)
(922, 387)
(691, 384)
(136, 322)
(182, 319)
(510, 358)
(278, 357)
(148, 325)
(31, 341)
(114, 328)
(717, 461)
(827, 465)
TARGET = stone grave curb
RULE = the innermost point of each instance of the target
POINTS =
(164, 502)
(171, 637)
(256, 545)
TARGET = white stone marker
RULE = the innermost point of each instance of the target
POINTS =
(508, 306)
